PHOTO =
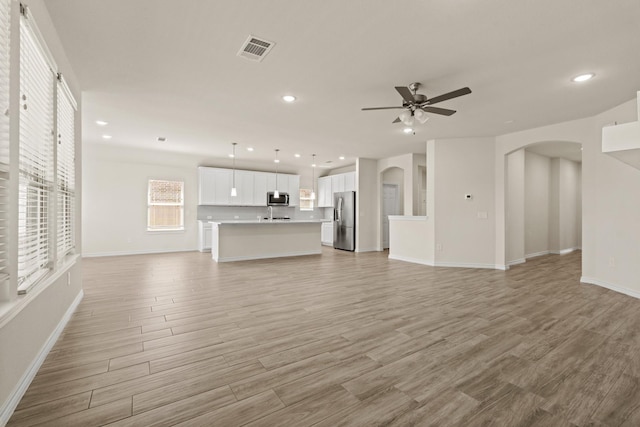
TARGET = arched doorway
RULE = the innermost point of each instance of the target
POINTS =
(543, 200)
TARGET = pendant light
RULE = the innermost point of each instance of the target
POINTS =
(313, 178)
(276, 193)
(234, 192)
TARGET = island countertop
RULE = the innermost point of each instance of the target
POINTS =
(267, 221)
(239, 240)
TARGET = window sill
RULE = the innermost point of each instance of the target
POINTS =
(167, 231)
(9, 309)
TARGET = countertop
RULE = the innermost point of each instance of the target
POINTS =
(266, 221)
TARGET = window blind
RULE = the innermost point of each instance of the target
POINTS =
(65, 167)
(165, 205)
(35, 182)
(5, 18)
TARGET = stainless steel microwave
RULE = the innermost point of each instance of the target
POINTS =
(281, 200)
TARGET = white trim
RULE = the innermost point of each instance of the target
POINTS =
(407, 218)
(369, 250)
(410, 259)
(280, 255)
(467, 265)
(517, 261)
(7, 408)
(536, 254)
(143, 252)
(501, 267)
(563, 251)
(611, 286)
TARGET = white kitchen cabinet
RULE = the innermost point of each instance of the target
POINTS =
(244, 186)
(222, 178)
(214, 187)
(350, 181)
(326, 233)
(260, 188)
(337, 183)
(294, 190)
(204, 236)
(206, 186)
(325, 196)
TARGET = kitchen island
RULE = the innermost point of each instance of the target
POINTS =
(237, 240)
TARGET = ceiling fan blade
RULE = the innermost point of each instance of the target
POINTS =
(397, 120)
(436, 110)
(406, 94)
(382, 108)
(449, 95)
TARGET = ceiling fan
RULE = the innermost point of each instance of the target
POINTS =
(416, 105)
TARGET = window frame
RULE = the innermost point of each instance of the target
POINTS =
(310, 199)
(151, 205)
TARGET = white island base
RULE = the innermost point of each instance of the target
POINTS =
(245, 240)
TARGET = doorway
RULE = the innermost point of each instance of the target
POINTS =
(390, 206)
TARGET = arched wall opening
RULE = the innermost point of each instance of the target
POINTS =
(543, 200)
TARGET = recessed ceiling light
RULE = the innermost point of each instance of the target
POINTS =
(276, 161)
(101, 123)
(107, 136)
(289, 98)
(313, 165)
(296, 155)
(407, 130)
(231, 155)
(341, 157)
(583, 77)
(508, 122)
(249, 148)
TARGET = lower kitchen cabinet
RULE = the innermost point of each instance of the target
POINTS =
(204, 236)
(326, 233)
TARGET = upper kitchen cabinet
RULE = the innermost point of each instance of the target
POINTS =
(337, 183)
(245, 184)
(260, 188)
(206, 186)
(294, 190)
(214, 187)
(325, 195)
(350, 181)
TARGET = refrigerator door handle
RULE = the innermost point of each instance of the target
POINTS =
(339, 209)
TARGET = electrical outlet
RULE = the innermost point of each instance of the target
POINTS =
(612, 261)
(439, 247)
(209, 217)
(68, 278)
(236, 217)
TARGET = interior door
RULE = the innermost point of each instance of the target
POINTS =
(390, 206)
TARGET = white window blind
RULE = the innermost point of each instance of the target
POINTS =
(5, 20)
(165, 206)
(35, 158)
(65, 166)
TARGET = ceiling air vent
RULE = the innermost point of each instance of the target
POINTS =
(255, 49)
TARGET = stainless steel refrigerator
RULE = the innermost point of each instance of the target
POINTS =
(344, 220)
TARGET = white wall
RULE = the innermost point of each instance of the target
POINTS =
(536, 218)
(610, 227)
(461, 166)
(515, 207)
(570, 208)
(368, 225)
(29, 324)
(114, 214)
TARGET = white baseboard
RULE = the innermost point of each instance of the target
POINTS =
(144, 252)
(468, 265)
(410, 259)
(564, 251)
(368, 250)
(517, 261)
(535, 254)
(7, 408)
(611, 286)
(282, 255)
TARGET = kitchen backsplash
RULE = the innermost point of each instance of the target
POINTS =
(253, 212)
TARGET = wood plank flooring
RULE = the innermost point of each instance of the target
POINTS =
(339, 339)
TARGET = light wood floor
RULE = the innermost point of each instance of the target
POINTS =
(339, 339)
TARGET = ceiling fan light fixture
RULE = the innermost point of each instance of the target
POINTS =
(421, 116)
(407, 130)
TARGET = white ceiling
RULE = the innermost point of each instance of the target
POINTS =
(169, 68)
(563, 149)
